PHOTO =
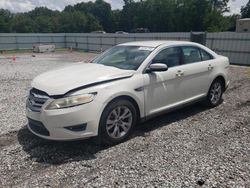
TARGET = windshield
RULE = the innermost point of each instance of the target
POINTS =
(124, 57)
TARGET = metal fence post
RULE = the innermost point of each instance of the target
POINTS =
(76, 43)
(205, 38)
(52, 39)
(115, 40)
(87, 38)
(65, 40)
(212, 43)
(101, 43)
(17, 46)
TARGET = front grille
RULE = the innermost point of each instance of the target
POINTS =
(36, 100)
(38, 127)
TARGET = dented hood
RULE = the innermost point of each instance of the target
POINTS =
(63, 80)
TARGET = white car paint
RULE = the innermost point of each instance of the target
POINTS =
(64, 79)
(153, 92)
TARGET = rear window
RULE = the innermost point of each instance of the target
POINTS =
(205, 56)
(191, 54)
(194, 54)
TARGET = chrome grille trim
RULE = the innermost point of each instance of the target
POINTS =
(36, 100)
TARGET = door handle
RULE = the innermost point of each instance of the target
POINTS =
(179, 73)
(210, 67)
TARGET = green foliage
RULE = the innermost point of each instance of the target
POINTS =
(77, 22)
(22, 23)
(215, 22)
(232, 21)
(219, 5)
(245, 11)
(99, 9)
(191, 15)
(175, 15)
(5, 17)
(156, 15)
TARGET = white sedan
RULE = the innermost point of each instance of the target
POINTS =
(128, 83)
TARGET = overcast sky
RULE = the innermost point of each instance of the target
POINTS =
(27, 5)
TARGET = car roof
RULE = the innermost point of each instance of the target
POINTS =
(156, 43)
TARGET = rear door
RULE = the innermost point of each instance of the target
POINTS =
(197, 72)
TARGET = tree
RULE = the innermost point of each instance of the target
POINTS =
(42, 11)
(44, 20)
(190, 15)
(43, 24)
(232, 21)
(245, 11)
(127, 15)
(93, 24)
(219, 5)
(116, 20)
(5, 17)
(215, 22)
(22, 23)
(77, 22)
(157, 15)
(100, 9)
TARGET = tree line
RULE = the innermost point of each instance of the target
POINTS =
(156, 15)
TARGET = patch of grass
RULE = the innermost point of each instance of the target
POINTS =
(247, 71)
(15, 51)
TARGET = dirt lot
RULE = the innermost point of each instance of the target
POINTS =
(191, 147)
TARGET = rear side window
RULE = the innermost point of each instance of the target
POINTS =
(205, 56)
(169, 56)
(191, 54)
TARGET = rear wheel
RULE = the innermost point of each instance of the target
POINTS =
(117, 121)
(215, 93)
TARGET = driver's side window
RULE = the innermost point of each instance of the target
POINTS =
(169, 56)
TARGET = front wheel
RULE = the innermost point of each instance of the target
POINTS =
(117, 121)
(215, 93)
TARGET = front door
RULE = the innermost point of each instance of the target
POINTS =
(164, 90)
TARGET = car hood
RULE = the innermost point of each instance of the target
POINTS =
(63, 80)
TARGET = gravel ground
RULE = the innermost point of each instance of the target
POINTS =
(192, 147)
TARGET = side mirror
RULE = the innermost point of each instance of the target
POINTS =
(157, 67)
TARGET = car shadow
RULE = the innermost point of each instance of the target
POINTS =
(167, 118)
(59, 152)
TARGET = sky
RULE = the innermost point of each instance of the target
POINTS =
(27, 5)
(235, 5)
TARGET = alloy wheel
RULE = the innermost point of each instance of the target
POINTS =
(119, 122)
(215, 93)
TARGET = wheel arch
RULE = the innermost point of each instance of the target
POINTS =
(132, 100)
(222, 79)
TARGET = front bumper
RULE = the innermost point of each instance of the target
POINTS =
(57, 124)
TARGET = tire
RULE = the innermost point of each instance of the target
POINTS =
(214, 96)
(117, 122)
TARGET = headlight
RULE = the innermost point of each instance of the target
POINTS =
(70, 101)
